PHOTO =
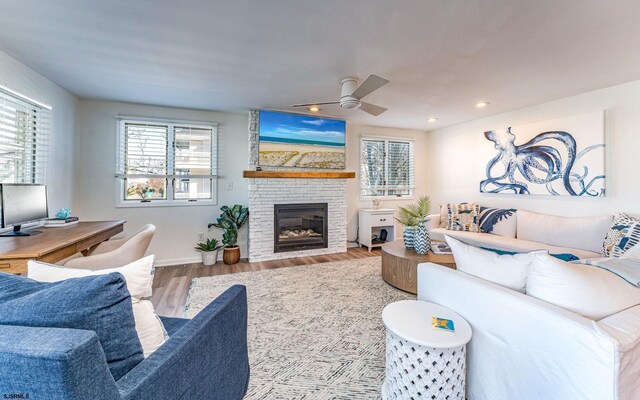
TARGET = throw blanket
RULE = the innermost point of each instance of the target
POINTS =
(626, 268)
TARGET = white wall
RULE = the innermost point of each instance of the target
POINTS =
(457, 155)
(61, 151)
(354, 201)
(177, 227)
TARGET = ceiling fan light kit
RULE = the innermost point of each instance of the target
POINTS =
(351, 95)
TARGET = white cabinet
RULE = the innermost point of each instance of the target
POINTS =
(371, 224)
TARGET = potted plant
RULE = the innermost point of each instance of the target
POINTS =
(209, 251)
(410, 217)
(231, 220)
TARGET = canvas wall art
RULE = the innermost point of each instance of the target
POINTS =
(301, 141)
(561, 157)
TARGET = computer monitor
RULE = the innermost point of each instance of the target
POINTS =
(22, 203)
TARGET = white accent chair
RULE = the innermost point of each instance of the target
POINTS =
(115, 252)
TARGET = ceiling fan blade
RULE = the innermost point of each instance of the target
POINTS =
(315, 104)
(372, 83)
(372, 108)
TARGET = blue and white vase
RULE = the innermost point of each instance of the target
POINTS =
(408, 236)
(421, 240)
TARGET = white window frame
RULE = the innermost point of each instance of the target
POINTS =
(170, 176)
(412, 172)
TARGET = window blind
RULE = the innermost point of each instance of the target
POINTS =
(145, 150)
(387, 167)
(24, 130)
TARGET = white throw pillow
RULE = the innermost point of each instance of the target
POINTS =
(505, 270)
(584, 289)
(139, 281)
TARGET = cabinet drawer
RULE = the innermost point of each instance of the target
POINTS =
(382, 220)
(17, 268)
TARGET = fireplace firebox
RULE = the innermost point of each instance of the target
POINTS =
(300, 227)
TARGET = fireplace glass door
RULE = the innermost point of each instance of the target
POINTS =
(300, 227)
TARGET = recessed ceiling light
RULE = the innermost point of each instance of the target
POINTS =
(432, 119)
(314, 108)
(482, 104)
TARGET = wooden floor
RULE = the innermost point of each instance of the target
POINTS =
(171, 284)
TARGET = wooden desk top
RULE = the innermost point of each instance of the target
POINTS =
(52, 239)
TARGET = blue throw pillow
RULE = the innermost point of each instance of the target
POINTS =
(562, 256)
(99, 303)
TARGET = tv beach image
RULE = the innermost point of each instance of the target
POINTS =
(294, 140)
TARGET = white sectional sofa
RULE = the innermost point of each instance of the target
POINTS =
(580, 236)
(526, 349)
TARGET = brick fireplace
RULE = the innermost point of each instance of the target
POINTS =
(268, 193)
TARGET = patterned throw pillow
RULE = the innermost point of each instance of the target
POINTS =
(623, 235)
(501, 221)
(463, 217)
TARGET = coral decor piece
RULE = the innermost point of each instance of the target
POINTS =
(63, 213)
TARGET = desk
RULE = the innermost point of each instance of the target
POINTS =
(54, 244)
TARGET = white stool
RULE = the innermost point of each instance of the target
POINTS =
(420, 362)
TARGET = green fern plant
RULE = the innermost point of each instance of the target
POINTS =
(415, 212)
(212, 244)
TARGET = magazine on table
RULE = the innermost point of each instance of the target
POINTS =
(440, 248)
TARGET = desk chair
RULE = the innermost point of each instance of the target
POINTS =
(115, 252)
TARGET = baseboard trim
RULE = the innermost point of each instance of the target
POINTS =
(178, 261)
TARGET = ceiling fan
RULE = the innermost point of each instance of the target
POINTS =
(352, 93)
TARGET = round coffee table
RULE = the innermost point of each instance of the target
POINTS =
(420, 362)
(400, 265)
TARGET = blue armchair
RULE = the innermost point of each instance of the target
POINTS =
(204, 358)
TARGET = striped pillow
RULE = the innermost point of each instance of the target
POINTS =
(500, 221)
(623, 235)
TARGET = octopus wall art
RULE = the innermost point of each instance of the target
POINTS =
(550, 161)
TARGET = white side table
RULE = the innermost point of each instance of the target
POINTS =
(420, 362)
(371, 221)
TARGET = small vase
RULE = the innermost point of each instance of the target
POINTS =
(231, 255)
(421, 241)
(209, 257)
(408, 236)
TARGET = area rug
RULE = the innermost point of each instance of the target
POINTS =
(315, 331)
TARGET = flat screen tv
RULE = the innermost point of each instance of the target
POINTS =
(301, 141)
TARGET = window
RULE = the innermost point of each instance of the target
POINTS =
(386, 167)
(166, 162)
(24, 127)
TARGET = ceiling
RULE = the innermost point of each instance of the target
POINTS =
(441, 56)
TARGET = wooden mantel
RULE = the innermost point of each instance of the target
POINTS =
(299, 174)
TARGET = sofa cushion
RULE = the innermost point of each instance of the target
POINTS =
(623, 234)
(586, 290)
(139, 282)
(633, 252)
(96, 303)
(506, 243)
(463, 217)
(508, 270)
(586, 233)
(499, 221)
(444, 216)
